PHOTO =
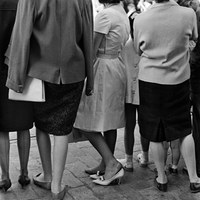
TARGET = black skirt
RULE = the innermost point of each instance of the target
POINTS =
(57, 114)
(164, 111)
(14, 115)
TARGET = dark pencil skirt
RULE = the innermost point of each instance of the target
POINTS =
(56, 116)
(164, 111)
(14, 115)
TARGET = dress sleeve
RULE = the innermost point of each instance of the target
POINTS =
(102, 23)
(136, 37)
(17, 54)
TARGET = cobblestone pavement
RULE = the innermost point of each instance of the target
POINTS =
(137, 185)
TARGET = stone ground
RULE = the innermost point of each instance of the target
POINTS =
(137, 185)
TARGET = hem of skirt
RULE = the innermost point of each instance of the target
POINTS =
(99, 130)
(182, 135)
(52, 133)
(15, 129)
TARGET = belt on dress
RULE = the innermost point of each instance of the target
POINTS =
(108, 56)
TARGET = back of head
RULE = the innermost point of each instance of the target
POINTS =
(161, 1)
(109, 1)
(194, 4)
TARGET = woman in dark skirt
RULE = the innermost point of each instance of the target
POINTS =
(56, 48)
(14, 115)
(161, 36)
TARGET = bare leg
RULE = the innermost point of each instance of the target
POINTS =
(98, 141)
(188, 152)
(44, 146)
(5, 154)
(166, 147)
(175, 148)
(110, 138)
(158, 152)
(23, 144)
(59, 159)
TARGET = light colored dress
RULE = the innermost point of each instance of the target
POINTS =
(104, 110)
(131, 60)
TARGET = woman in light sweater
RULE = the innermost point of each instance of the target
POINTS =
(161, 37)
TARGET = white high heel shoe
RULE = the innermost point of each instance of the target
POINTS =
(96, 176)
(116, 179)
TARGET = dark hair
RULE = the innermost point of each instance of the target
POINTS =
(161, 1)
(185, 3)
(109, 1)
(127, 2)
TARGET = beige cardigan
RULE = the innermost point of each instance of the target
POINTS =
(161, 37)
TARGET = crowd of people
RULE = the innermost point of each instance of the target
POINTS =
(131, 60)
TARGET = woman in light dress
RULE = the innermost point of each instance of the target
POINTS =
(103, 112)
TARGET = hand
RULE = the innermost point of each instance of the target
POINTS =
(89, 88)
(89, 92)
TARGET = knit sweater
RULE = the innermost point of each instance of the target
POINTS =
(161, 37)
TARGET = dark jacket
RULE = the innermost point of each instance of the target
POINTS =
(51, 41)
(7, 18)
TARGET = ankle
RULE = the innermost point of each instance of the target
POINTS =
(5, 176)
(56, 187)
(162, 179)
(145, 155)
(129, 158)
(24, 172)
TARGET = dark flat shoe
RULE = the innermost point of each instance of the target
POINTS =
(5, 184)
(161, 186)
(60, 195)
(94, 171)
(195, 187)
(24, 180)
(43, 184)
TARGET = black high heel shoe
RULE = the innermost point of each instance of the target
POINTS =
(115, 179)
(5, 184)
(24, 180)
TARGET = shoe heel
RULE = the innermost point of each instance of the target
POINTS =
(117, 181)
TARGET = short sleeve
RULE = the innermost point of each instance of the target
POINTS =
(102, 23)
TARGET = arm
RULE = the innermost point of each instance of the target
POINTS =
(88, 46)
(98, 37)
(195, 28)
(18, 51)
(136, 38)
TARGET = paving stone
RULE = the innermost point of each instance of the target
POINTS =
(82, 193)
(24, 194)
(137, 185)
(77, 169)
(70, 180)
